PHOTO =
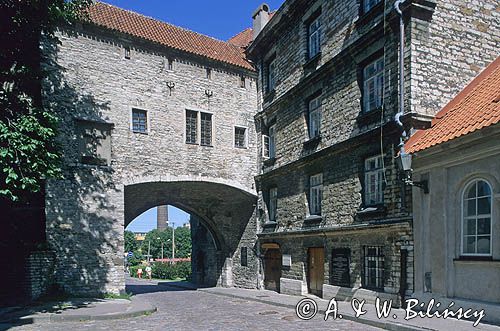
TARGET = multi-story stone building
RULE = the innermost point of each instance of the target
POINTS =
(336, 220)
(151, 114)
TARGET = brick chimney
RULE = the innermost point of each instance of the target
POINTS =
(260, 18)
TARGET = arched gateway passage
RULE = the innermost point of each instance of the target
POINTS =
(222, 208)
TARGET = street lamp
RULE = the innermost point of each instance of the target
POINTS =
(404, 163)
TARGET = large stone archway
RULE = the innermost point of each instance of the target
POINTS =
(225, 209)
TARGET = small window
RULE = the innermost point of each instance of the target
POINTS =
(271, 72)
(242, 82)
(273, 203)
(315, 194)
(314, 37)
(369, 4)
(476, 223)
(314, 118)
(206, 129)
(374, 176)
(127, 53)
(373, 267)
(209, 73)
(244, 256)
(240, 137)
(191, 127)
(139, 121)
(170, 65)
(373, 85)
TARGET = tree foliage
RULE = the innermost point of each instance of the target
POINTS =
(155, 238)
(28, 151)
(131, 244)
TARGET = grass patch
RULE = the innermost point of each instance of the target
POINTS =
(125, 295)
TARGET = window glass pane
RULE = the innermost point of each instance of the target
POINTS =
(470, 245)
(471, 207)
(470, 227)
(191, 126)
(239, 137)
(483, 226)
(472, 191)
(483, 206)
(483, 244)
(206, 129)
(483, 189)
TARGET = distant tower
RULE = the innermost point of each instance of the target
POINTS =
(162, 217)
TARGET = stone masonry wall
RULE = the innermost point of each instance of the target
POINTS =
(91, 80)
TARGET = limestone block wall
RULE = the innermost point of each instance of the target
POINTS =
(91, 80)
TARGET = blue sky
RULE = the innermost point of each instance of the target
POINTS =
(220, 19)
(147, 220)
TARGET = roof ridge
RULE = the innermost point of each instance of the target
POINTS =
(167, 23)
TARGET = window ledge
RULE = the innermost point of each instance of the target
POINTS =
(312, 62)
(364, 18)
(313, 218)
(475, 258)
(210, 146)
(192, 144)
(372, 210)
(269, 224)
(312, 141)
(269, 162)
(372, 116)
(140, 132)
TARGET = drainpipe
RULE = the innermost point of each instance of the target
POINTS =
(397, 118)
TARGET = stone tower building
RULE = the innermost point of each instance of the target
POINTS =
(151, 114)
(336, 218)
(162, 217)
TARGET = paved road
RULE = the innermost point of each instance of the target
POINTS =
(194, 310)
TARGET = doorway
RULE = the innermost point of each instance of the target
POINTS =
(272, 269)
(316, 270)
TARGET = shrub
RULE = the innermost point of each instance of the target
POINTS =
(171, 271)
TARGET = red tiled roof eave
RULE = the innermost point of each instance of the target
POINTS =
(147, 28)
(475, 107)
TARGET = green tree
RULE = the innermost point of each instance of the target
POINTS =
(155, 238)
(131, 244)
(28, 152)
(182, 242)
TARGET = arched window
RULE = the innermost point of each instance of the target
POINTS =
(476, 219)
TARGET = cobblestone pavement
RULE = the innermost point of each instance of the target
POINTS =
(180, 309)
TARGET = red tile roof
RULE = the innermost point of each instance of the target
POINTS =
(140, 26)
(474, 108)
(242, 39)
(245, 37)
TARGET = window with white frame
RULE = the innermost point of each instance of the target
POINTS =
(314, 117)
(369, 4)
(373, 85)
(476, 220)
(273, 203)
(373, 267)
(374, 176)
(315, 194)
(240, 137)
(314, 37)
(271, 71)
(191, 127)
(139, 120)
(198, 124)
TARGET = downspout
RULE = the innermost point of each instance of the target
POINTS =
(397, 117)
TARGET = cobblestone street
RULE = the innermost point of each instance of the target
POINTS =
(180, 309)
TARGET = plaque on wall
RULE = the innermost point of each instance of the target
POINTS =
(287, 260)
(340, 267)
